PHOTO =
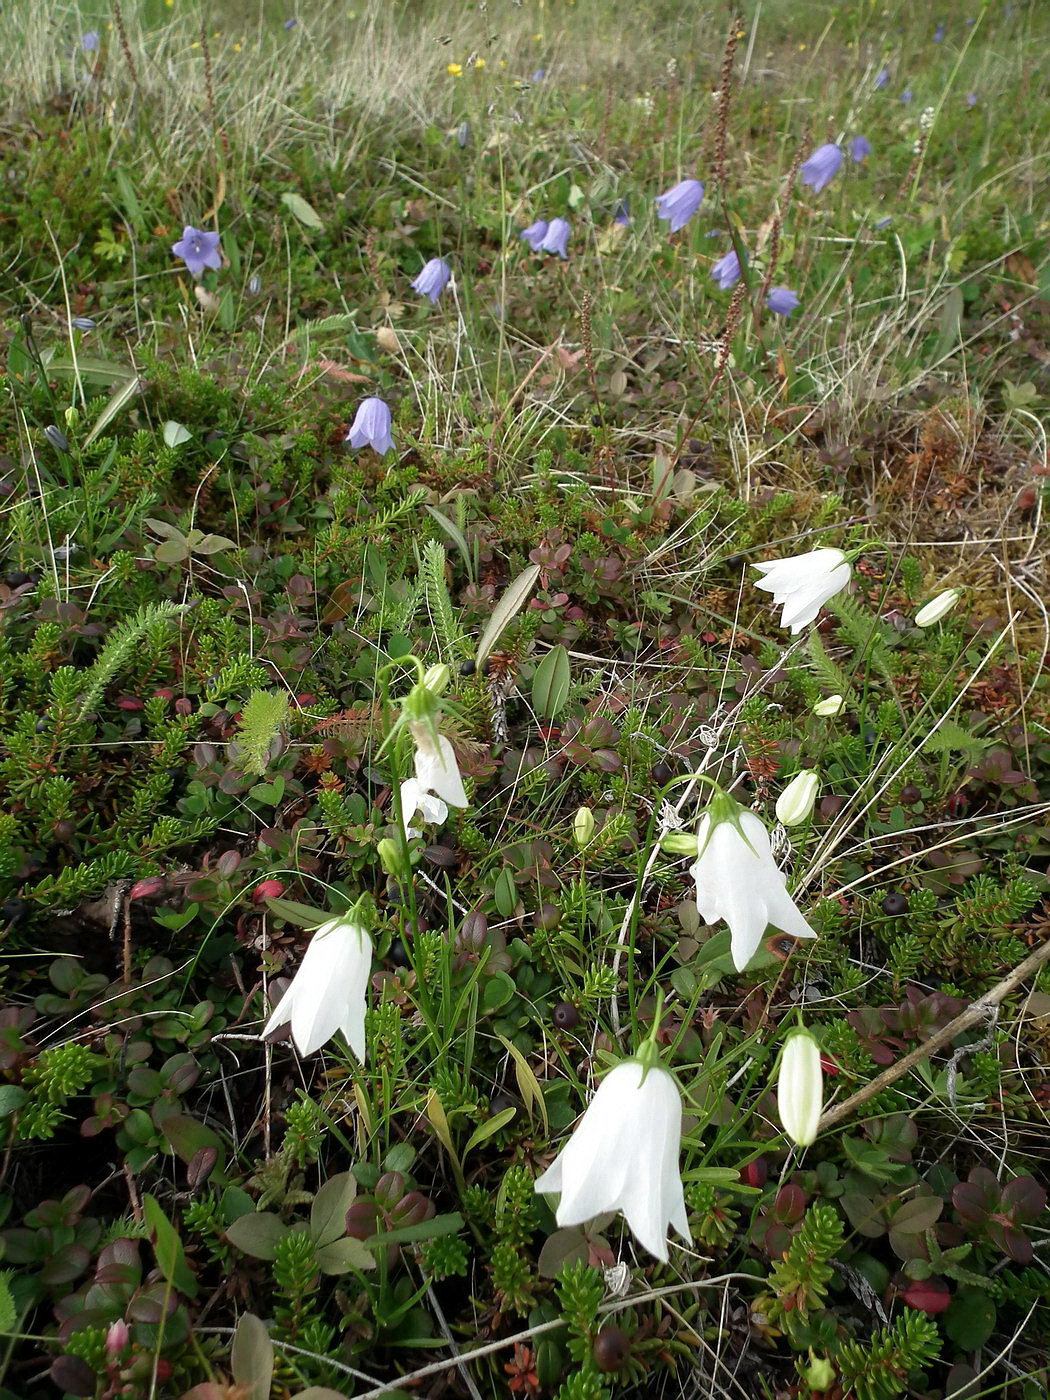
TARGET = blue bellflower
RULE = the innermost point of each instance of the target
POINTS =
(535, 234)
(882, 77)
(433, 280)
(781, 300)
(726, 270)
(89, 42)
(556, 239)
(906, 95)
(821, 167)
(623, 214)
(678, 204)
(371, 427)
(198, 250)
(938, 34)
(859, 147)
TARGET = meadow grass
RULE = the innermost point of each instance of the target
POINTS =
(214, 611)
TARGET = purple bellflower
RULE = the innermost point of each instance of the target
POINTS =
(622, 215)
(678, 204)
(537, 76)
(535, 234)
(884, 222)
(89, 42)
(781, 300)
(821, 167)
(938, 34)
(906, 95)
(198, 250)
(726, 270)
(882, 77)
(290, 23)
(433, 280)
(556, 239)
(859, 147)
(971, 100)
(371, 427)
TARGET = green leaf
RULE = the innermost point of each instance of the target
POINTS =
(8, 1311)
(528, 1084)
(341, 1256)
(491, 1125)
(508, 607)
(257, 1234)
(951, 321)
(168, 1248)
(263, 716)
(12, 1097)
(213, 544)
(970, 1319)
(450, 1224)
(251, 1357)
(301, 210)
(292, 912)
(329, 1208)
(551, 682)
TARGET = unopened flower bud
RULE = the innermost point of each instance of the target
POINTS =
(389, 853)
(117, 1337)
(795, 803)
(437, 678)
(800, 1088)
(827, 709)
(819, 1375)
(583, 827)
(679, 843)
(937, 607)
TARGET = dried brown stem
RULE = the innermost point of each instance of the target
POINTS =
(974, 1014)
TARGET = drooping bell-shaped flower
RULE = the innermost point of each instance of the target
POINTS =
(677, 205)
(800, 1087)
(371, 427)
(859, 148)
(738, 880)
(803, 584)
(882, 77)
(726, 270)
(781, 300)
(436, 766)
(328, 992)
(556, 239)
(535, 234)
(821, 167)
(198, 249)
(433, 279)
(622, 216)
(623, 1156)
(415, 798)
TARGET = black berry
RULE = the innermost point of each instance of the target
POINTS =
(565, 1015)
(895, 903)
(612, 1346)
(662, 773)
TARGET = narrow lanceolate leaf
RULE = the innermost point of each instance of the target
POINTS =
(128, 391)
(550, 684)
(298, 207)
(514, 598)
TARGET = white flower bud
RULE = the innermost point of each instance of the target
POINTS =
(437, 678)
(800, 1088)
(583, 827)
(795, 803)
(937, 607)
(827, 709)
